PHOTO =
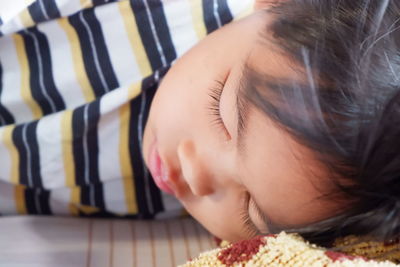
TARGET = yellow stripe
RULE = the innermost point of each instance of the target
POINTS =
(77, 58)
(8, 142)
(88, 209)
(197, 17)
(26, 18)
(134, 38)
(124, 155)
(69, 166)
(25, 75)
(75, 207)
(86, 3)
(19, 194)
(75, 200)
(66, 143)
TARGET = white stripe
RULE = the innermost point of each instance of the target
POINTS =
(118, 45)
(28, 155)
(10, 96)
(9, 9)
(154, 32)
(108, 134)
(114, 197)
(59, 201)
(14, 25)
(216, 14)
(5, 156)
(96, 57)
(7, 198)
(40, 69)
(62, 65)
(50, 151)
(68, 7)
(180, 24)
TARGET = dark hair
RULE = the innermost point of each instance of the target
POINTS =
(347, 107)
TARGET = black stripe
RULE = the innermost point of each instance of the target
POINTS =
(101, 48)
(224, 12)
(51, 8)
(85, 196)
(43, 199)
(143, 24)
(102, 2)
(85, 138)
(48, 78)
(136, 160)
(47, 96)
(40, 8)
(93, 195)
(1, 21)
(78, 127)
(93, 113)
(85, 152)
(30, 201)
(19, 145)
(36, 12)
(80, 22)
(34, 74)
(5, 116)
(31, 137)
(208, 16)
(163, 33)
(37, 201)
(29, 160)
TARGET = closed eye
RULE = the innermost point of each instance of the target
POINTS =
(250, 228)
(214, 108)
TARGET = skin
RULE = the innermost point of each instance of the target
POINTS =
(203, 165)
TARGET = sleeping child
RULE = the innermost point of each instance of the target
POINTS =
(286, 119)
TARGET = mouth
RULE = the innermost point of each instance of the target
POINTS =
(158, 169)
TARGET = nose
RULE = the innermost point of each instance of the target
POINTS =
(194, 169)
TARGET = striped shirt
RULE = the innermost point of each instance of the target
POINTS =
(77, 78)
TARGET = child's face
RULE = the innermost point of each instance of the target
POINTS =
(204, 168)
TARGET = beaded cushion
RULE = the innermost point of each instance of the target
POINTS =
(292, 250)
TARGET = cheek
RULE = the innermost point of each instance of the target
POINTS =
(214, 212)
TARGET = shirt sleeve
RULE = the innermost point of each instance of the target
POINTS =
(76, 85)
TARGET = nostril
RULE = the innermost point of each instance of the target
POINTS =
(175, 181)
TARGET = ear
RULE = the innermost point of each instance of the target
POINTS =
(264, 4)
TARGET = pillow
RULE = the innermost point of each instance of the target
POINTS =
(292, 250)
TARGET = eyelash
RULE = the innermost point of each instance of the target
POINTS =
(215, 94)
(250, 228)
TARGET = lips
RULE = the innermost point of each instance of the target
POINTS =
(157, 169)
